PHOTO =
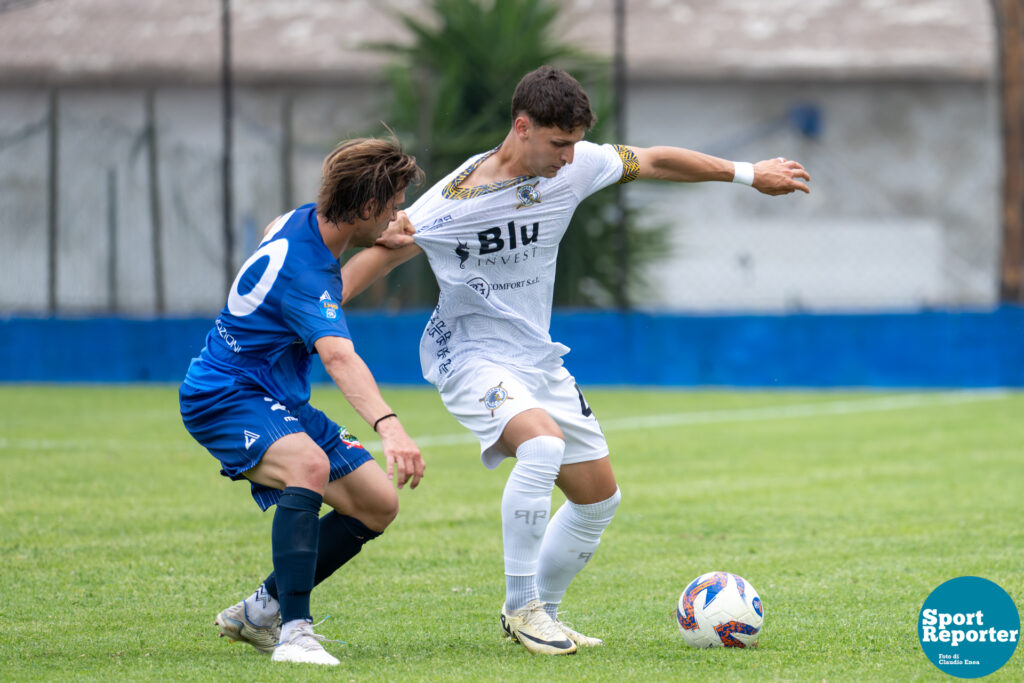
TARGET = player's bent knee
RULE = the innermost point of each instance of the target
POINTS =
(613, 502)
(528, 425)
(310, 468)
(385, 511)
(376, 511)
(598, 515)
(380, 503)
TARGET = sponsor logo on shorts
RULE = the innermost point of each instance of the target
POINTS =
(250, 438)
(277, 405)
(495, 397)
(348, 439)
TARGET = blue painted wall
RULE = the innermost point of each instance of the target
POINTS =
(926, 349)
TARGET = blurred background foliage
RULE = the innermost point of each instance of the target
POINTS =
(451, 90)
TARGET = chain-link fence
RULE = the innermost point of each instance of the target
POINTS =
(111, 198)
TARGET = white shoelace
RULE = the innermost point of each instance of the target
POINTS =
(540, 619)
(304, 631)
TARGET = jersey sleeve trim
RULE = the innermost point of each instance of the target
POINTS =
(311, 340)
(630, 164)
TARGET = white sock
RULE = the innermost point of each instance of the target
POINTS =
(525, 508)
(569, 543)
(261, 609)
(288, 627)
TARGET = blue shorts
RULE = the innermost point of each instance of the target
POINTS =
(237, 424)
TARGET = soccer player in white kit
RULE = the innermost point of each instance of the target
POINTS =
(491, 230)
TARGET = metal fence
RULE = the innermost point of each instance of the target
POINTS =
(111, 198)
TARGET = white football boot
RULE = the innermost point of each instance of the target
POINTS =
(532, 627)
(303, 647)
(577, 637)
(235, 626)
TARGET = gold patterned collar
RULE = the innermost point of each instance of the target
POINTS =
(453, 190)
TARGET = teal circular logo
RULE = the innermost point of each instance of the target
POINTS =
(968, 627)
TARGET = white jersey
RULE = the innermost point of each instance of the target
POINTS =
(493, 249)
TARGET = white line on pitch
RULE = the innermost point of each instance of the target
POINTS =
(848, 407)
(622, 424)
(765, 413)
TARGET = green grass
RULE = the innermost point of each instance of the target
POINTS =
(120, 542)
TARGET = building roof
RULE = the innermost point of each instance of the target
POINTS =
(275, 41)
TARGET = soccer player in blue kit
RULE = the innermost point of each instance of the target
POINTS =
(246, 398)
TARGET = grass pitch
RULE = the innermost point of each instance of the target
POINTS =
(845, 510)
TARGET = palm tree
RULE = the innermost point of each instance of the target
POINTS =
(451, 94)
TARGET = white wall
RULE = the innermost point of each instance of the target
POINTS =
(903, 211)
(102, 132)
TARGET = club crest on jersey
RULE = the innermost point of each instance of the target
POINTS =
(496, 397)
(328, 306)
(527, 195)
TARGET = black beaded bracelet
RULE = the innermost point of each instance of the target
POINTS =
(381, 419)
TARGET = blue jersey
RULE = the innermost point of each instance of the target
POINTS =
(285, 297)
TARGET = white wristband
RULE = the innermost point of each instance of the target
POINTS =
(743, 172)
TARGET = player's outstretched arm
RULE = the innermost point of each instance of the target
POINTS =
(356, 382)
(771, 176)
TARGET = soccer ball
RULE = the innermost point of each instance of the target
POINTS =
(720, 609)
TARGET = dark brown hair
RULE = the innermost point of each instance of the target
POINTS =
(360, 171)
(551, 97)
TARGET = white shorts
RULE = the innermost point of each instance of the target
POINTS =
(484, 396)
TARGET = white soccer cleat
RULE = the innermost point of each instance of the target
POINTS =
(532, 627)
(235, 626)
(303, 647)
(577, 637)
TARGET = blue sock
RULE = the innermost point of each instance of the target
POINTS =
(294, 538)
(341, 539)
